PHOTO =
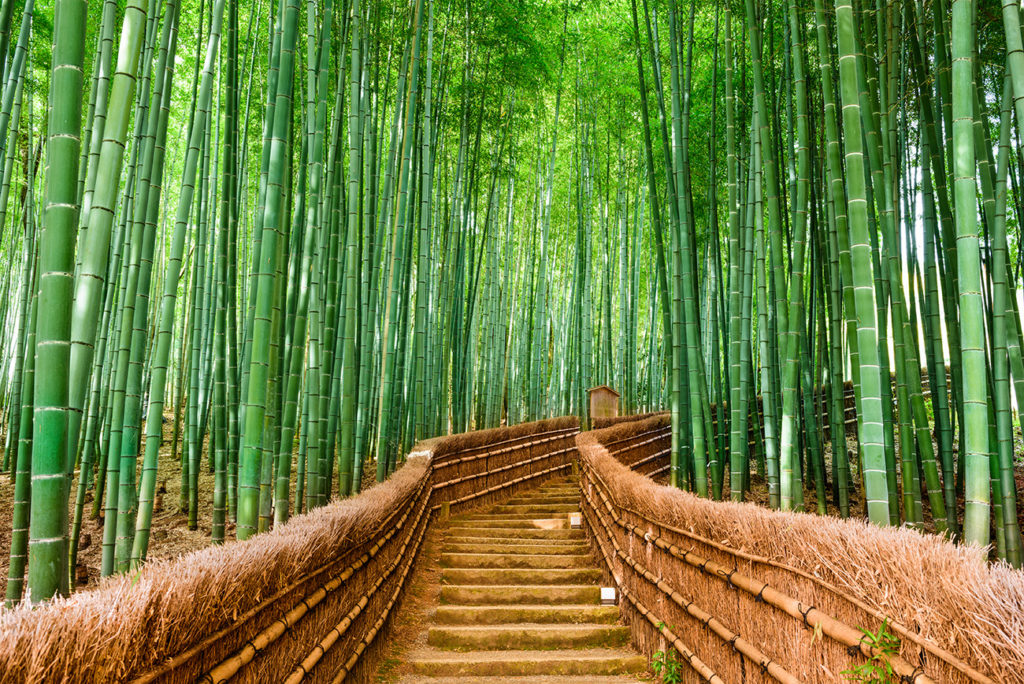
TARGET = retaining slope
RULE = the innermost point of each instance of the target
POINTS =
(750, 594)
(308, 601)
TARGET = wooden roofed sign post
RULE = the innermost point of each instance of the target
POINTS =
(604, 402)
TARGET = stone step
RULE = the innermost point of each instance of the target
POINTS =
(539, 679)
(545, 499)
(573, 507)
(520, 602)
(537, 614)
(520, 594)
(515, 515)
(515, 560)
(525, 636)
(519, 576)
(520, 533)
(506, 546)
(512, 542)
(503, 536)
(548, 501)
(581, 662)
(504, 522)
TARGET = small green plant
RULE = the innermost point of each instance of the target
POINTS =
(877, 670)
(666, 665)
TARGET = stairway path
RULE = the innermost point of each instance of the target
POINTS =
(519, 602)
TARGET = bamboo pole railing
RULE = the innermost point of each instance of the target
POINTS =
(656, 565)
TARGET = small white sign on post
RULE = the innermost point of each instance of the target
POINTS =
(607, 596)
(575, 521)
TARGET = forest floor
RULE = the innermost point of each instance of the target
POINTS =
(170, 536)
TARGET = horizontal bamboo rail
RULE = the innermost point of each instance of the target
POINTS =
(230, 667)
(809, 615)
(334, 612)
(901, 630)
(338, 631)
(698, 665)
(185, 656)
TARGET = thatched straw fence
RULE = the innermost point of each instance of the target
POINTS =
(601, 423)
(746, 594)
(309, 601)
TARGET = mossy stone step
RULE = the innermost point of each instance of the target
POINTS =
(538, 523)
(562, 508)
(539, 679)
(503, 536)
(520, 601)
(519, 594)
(490, 546)
(512, 543)
(515, 560)
(520, 533)
(526, 636)
(519, 576)
(555, 491)
(537, 614)
(545, 499)
(524, 663)
(496, 514)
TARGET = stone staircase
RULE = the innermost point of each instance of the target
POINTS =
(520, 602)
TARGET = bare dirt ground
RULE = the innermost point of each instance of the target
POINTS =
(169, 537)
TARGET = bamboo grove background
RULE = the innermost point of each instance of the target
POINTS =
(306, 235)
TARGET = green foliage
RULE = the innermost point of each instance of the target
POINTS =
(665, 663)
(667, 666)
(877, 670)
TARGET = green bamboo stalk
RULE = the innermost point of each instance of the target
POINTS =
(47, 547)
(1000, 365)
(263, 332)
(975, 432)
(869, 415)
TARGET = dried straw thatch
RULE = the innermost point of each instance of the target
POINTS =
(310, 599)
(130, 624)
(600, 423)
(959, 617)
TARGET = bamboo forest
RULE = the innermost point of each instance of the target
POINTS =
(262, 260)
